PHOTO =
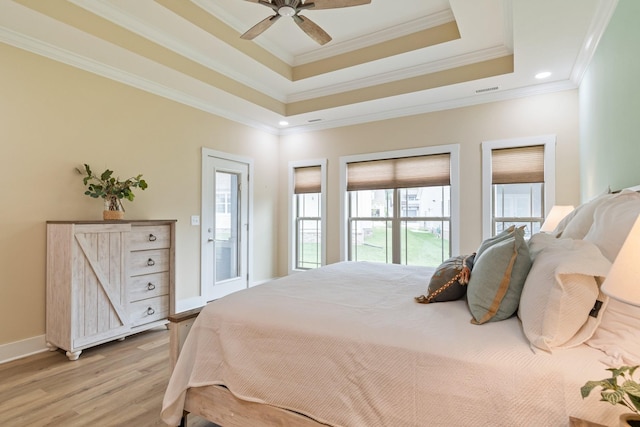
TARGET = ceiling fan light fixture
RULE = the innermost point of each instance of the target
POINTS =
(286, 11)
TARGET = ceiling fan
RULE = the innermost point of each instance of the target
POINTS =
(292, 8)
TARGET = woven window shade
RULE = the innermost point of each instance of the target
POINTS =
(517, 165)
(406, 172)
(307, 180)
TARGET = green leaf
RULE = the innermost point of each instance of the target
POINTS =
(590, 385)
(631, 387)
(109, 187)
(612, 396)
(626, 394)
(635, 401)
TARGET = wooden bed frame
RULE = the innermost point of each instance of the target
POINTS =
(216, 403)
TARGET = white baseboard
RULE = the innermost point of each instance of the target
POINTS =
(19, 349)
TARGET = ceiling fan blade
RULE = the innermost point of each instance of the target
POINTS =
(312, 29)
(334, 4)
(260, 27)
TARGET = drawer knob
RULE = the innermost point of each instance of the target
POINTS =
(150, 286)
(151, 262)
(150, 311)
(152, 238)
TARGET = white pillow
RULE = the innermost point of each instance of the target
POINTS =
(613, 221)
(560, 292)
(539, 242)
(576, 225)
(619, 334)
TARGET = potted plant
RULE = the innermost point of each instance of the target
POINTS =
(111, 189)
(626, 392)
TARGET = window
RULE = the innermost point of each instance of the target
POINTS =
(400, 207)
(307, 180)
(223, 198)
(518, 183)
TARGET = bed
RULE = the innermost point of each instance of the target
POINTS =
(347, 344)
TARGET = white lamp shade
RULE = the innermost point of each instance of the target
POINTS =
(623, 280)
(556, 214)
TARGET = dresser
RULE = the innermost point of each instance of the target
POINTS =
(107, 280)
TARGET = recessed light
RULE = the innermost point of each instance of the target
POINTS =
(543, 75)
(283, 123)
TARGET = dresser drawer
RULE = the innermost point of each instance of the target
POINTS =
(147, 262)
(148, 285)
(144, 237)
(148, 310)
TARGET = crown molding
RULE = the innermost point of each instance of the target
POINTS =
(227, 106)
(425, 108)
(405, 73)
(507, 11)
(47, 50)
(397, 31)
(44, 49)
(95, 67)
(122, 18)
(605, 11)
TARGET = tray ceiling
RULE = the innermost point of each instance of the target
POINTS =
(387, 58)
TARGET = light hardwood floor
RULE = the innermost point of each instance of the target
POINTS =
(115, 384)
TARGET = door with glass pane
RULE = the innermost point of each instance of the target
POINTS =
(225, 225)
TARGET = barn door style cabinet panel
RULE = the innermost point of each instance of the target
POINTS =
(107, 280)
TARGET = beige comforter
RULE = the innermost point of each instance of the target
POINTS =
(348, 346)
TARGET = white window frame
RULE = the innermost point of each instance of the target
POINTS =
(292, 211)
(452, 149)
(549, 196)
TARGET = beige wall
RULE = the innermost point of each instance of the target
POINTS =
(538, 115)
(54, 118)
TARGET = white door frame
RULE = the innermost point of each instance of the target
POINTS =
(206, 207)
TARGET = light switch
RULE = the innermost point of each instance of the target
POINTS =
(195, 220)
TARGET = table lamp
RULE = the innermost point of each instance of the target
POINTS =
(556, 214)
(622, 281)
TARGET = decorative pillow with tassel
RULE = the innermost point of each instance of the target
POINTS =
(449, 281)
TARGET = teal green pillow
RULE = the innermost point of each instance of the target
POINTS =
(495, 239)
(498, 277)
